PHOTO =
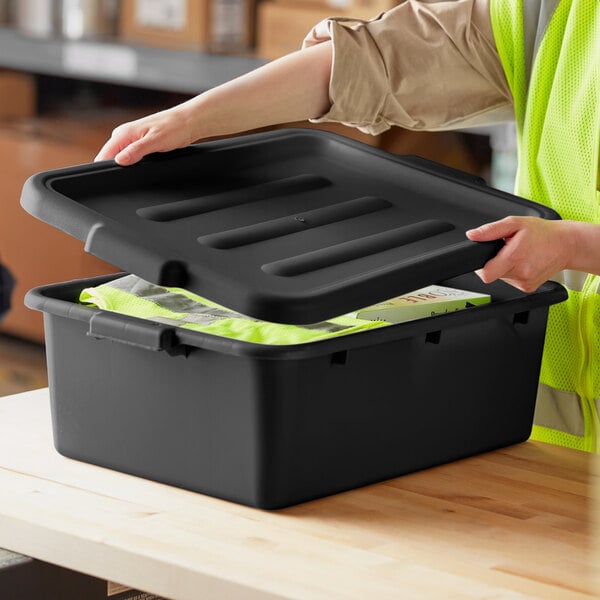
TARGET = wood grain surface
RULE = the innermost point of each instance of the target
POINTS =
(511, 524)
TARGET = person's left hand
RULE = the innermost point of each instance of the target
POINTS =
(535, 249)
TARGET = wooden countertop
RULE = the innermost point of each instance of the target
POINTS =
(515, 523)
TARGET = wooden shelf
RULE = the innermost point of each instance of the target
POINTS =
(118, 63)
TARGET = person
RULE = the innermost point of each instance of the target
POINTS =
(445, 64)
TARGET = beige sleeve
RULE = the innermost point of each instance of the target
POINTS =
(426, 64)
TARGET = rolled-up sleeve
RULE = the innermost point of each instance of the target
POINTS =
(429, 65)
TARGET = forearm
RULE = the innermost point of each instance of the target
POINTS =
(292, 88)
(585, 238)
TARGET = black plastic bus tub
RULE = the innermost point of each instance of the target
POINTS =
(273, 426)
(297, 226)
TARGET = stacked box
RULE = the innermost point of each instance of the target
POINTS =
(283, 24)
(209, 25)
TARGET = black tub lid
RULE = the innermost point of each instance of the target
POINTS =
(291, 226)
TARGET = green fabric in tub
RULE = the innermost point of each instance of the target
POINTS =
(133, 296)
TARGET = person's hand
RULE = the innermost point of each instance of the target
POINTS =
(159, 132)
(535, 250)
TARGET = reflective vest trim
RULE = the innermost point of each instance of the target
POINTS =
(130, 295)
(193, 311)
(573, 280)
(557, 409)
(563, 418)
(536, 17)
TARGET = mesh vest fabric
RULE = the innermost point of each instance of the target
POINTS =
(133, 296)
(557, 108)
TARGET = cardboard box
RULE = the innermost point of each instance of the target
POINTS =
(35, 254)
(210, 25)
(446, 147)
(354, 8)
(4, 12)
(337, 128)
(23, 578)
(18, 95)
(282, 25)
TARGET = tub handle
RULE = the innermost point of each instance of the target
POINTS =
(148, 335)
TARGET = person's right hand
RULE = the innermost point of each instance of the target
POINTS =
(158, 132)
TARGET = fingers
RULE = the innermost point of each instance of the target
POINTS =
(533, 251)
(122, 145)
(127, 146)
(507, 264)
(133, 153)
(499, 266)
(110, 149)
(495, 268)
(496, 230)
(160, 132)
(520, 276)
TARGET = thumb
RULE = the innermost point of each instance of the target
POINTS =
(134, 152)
(493, 231)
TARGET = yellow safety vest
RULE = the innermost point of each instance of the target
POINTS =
(550, 51)
(130, 295)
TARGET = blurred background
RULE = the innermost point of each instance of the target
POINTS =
(71, 70)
